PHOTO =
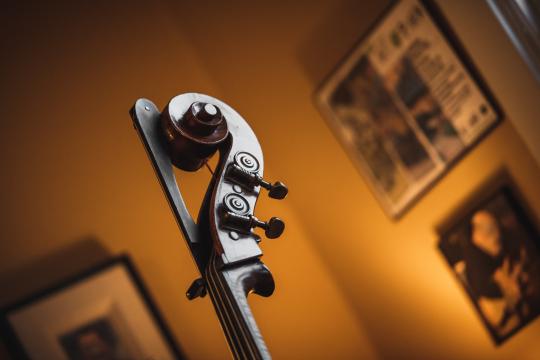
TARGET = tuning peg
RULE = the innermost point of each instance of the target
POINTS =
(191, 139)
(242, 176)
(273, 228)
(196, 289)
(277, 190)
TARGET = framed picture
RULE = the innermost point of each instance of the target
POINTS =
(406, 103)
(493, 250)
(104, 313)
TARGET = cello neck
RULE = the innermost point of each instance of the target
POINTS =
(228, 289)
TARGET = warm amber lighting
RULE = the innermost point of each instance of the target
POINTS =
(350, 283)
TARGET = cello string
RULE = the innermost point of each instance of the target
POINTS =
(209, 169)
(223, 314)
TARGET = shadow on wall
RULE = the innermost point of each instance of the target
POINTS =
(336, 35)
(27, 279)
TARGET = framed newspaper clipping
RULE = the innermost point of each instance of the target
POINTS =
(407, 103)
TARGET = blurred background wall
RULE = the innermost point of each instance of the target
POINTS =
(77, 186)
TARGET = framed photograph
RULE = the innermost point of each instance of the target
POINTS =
(406, 103)
(104, 313)
(493, 250)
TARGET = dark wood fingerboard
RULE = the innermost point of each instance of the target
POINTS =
(228, 289)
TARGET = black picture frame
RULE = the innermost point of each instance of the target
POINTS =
(495, 210)
(347, 129)
(18, 348)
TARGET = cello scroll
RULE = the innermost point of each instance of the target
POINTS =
(189, 131)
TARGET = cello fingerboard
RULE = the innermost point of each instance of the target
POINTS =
(228, 289)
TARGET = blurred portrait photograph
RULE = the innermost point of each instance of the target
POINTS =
(493, 250)
(101, 313)
(104, 338)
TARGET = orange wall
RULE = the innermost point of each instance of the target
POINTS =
(351, 283)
